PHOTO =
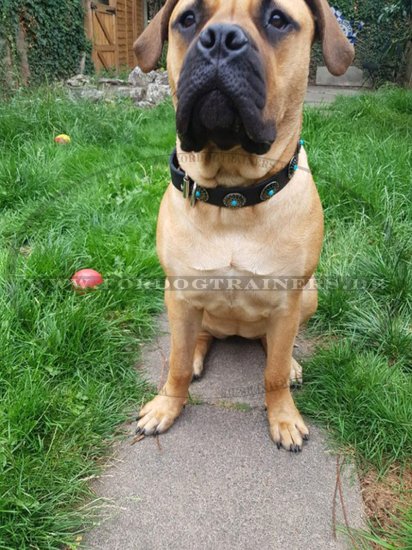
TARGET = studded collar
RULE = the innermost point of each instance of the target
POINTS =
(233, 197)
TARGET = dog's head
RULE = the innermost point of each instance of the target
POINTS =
(238, 68)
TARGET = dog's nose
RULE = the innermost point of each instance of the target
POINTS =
(222, 41)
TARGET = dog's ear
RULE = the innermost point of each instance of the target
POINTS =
(148, 47)
(338, 52)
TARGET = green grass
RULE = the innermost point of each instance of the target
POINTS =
(67, 375)
(360, 383)
(398, 536)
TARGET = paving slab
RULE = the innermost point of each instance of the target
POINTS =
(233, 369)
(353, 77)
(325, 95)
(215, 480)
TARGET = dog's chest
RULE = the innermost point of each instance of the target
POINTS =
(233, 280)
(217, 242)
(230, 271)
(237, 255)
(227, 261)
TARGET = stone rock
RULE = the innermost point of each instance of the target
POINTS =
(146, 90)
(91, 94)
(137, 94)
(162, 78)
(78, 81)
(138, 78)
(119, 91)
(157, 93)
(144, 104)
(113, 82)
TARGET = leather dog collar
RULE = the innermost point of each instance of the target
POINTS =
(233, 197)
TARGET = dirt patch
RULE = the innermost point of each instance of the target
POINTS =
(384, 496)
(305, 345)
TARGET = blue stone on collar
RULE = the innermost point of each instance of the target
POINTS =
(293, 166)
(234, 200)
(201, 194)
(269, 191)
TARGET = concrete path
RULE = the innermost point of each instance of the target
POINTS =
(317, 96)
(215, 480)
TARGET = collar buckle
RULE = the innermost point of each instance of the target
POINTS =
(193, 196)
(186, 186)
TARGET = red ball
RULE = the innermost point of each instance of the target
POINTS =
(87, 278)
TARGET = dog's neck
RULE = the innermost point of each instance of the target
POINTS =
(213, 167)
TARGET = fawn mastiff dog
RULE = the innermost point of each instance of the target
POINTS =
(242, 203)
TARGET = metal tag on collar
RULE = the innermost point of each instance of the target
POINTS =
(186, 186)
(193, 197)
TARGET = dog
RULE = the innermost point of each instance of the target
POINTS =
(242, 203)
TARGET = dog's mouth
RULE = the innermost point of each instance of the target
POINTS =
(215, 118)
(223, 103)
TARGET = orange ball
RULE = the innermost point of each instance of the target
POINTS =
(62, 139)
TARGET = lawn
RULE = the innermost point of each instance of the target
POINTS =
(67, 375)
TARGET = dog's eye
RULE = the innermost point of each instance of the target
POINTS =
(278, 20)
(188, 19)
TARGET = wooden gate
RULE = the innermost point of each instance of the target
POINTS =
(102, 32)
(113, 26)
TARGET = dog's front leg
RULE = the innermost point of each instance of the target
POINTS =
(160, 413)
(286, 425)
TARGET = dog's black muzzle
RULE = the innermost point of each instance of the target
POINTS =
(222, 93)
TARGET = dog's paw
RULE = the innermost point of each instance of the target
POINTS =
(287, 428)
(295, 374)
(159, 414)
(203, 342)
(197, 368)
